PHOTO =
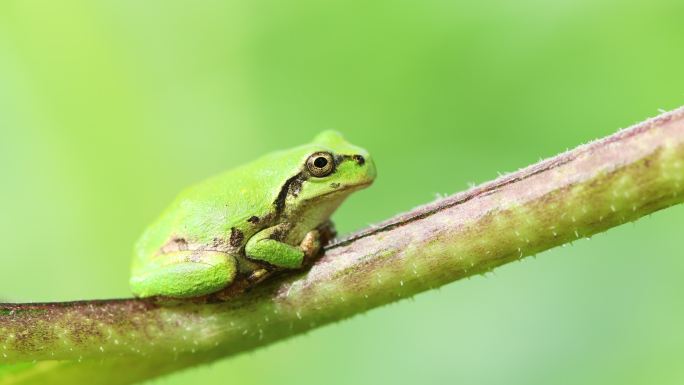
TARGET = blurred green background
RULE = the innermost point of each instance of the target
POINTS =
(108, 108)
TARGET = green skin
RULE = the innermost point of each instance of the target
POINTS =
(261, 216)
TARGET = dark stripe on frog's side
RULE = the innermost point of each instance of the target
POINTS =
(293, 184)
(359, 159)
(296, 186)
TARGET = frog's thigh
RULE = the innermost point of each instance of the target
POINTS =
(185, 274)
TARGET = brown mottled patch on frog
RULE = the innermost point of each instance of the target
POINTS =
(268, 218)
(334, 185)
(218, 244)
(181, 243)
(174, 244)
(236, 237)
(253, 219)
(278, 234)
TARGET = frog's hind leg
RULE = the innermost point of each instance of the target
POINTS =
(184, 274)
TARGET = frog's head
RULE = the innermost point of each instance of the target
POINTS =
(332, 168)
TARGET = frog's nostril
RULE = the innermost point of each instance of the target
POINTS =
(359, 159)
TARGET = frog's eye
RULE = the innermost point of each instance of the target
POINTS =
(320, 164)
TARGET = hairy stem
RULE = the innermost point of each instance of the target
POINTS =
(573, 195)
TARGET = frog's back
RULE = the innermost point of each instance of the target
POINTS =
(220, 213)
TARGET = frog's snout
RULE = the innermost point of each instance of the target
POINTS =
(366, 161)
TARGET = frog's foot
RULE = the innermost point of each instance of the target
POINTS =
(185, 274)
(316, 239)
(311, 245)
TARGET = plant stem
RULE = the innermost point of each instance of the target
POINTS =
(582, 192)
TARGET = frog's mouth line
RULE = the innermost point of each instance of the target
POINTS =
(347, 187)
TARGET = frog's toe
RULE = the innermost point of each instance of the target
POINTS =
(311, 244)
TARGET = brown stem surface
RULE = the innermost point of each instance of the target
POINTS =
(576, 194)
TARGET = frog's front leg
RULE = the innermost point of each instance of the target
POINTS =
(184, 274)
(266, 245)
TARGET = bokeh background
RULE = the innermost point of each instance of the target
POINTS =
(108, 108)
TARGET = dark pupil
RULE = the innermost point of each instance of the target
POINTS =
(320, 162)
